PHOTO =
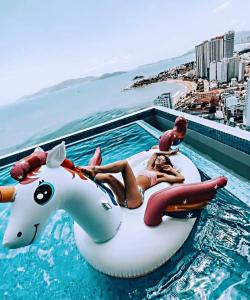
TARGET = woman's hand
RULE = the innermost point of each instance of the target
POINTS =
(179, 177)
(168, 169)
(175, 151)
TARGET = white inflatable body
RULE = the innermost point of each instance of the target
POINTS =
(138, 249)
(112, 239)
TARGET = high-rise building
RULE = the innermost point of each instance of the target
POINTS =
(246, 116)
(241, 71)
(233, 67)
(202, 59)
(164, 99)
(228, 44)
(222, 68)
(198, 56)
(213, 51)
(213, 71)
(206, 58)
(219, 71)
(229, 68)
(216, 48)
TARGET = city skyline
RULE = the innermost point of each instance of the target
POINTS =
(44, 43)
(212, 52)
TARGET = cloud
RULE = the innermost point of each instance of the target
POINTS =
(222, 7)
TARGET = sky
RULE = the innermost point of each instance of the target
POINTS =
(45, 42)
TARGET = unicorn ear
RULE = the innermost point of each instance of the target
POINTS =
(38, 149)
(56, 156)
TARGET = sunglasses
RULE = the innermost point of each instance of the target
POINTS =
(161, 159)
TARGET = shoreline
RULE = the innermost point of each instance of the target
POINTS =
(190, 85)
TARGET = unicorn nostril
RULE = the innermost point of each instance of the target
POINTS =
(19, 234)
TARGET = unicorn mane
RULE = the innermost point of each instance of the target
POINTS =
(27, 170)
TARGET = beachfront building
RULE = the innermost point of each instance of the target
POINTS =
(246, 116)
(202, 59)
(215, 50)
(229, 68)
(206, 58)
(165, 100)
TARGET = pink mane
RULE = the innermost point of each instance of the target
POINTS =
(27, 170)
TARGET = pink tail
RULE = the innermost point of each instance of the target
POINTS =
(181, 198)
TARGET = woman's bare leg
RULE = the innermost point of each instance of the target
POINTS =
(116, 186)
(132, 194)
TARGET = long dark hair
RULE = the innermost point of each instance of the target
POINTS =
(168, 161)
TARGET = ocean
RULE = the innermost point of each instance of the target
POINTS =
(34, 120)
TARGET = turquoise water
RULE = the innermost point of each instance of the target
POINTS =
(212, 264)
(36, 119)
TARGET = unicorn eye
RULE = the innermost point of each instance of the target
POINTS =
(43, 193)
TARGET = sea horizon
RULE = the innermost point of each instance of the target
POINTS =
(80, 106)
(34, 118)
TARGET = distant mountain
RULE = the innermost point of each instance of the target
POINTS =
(68, 83)
(242, 37)
(191, 51)
(59, 86)
(107, 75)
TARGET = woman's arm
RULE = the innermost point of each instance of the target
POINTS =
(155, 147)
(150, 164)
(171, 170)
(176, 177)
(170, 152)
(171, 179)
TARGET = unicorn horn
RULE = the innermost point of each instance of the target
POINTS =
(7, 194)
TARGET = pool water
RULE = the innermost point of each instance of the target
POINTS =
(212, 264)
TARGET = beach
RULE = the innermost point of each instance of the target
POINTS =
(190, 85)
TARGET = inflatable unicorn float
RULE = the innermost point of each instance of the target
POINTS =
(117, 241)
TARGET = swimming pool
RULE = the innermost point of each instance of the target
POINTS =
(212, 264)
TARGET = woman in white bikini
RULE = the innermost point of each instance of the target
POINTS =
(130, 194)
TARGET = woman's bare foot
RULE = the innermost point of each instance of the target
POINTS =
(89, 171)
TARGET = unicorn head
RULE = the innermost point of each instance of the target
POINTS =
(52, 186)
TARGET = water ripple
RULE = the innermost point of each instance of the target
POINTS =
(212, 264)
